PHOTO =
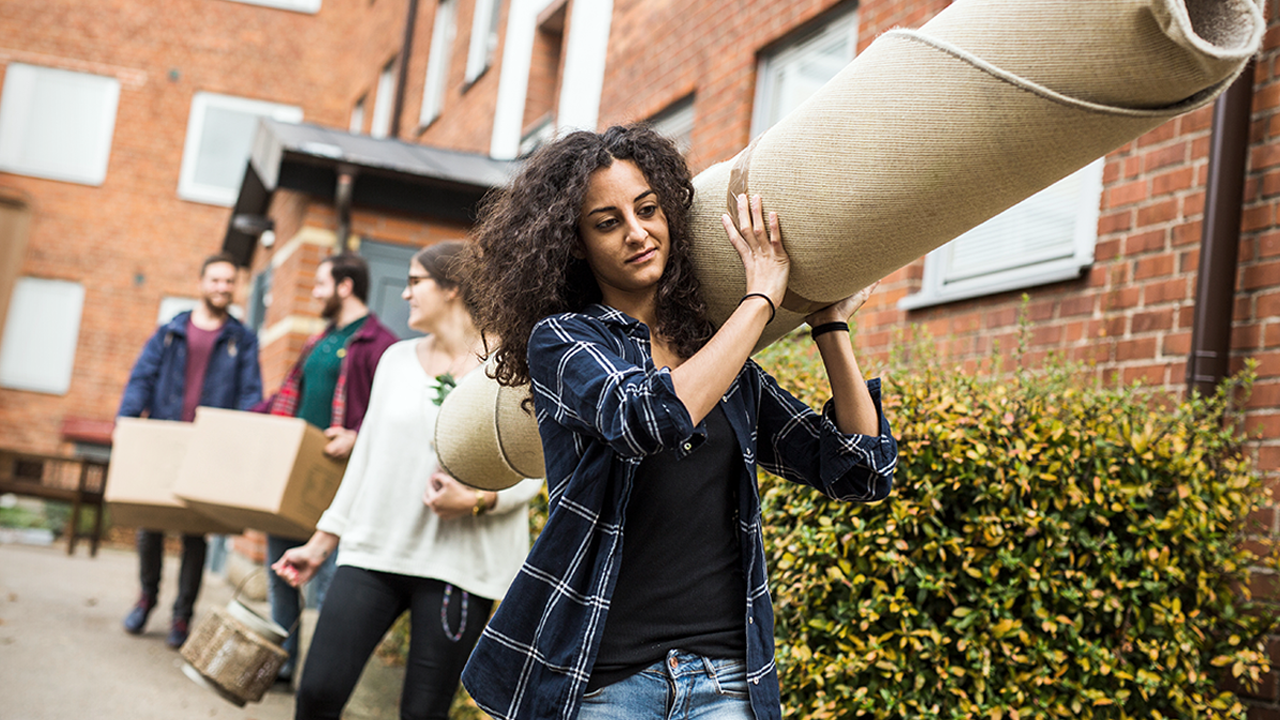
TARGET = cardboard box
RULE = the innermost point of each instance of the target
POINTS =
(258, 471)
(145, 459)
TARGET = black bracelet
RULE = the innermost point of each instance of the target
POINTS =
(773, 310)
(828, 327)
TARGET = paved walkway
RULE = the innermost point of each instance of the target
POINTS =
(64, 655)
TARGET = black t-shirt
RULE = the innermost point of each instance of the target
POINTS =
(680, 584)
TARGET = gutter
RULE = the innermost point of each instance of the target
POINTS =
(1210, 356)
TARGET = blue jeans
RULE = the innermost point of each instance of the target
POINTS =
(682, 687)
(285, 609)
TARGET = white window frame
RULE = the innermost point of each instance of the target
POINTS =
(356, 124)
(188, 187)
(303, 6)
(842, 27)
(41, 333)
(484, 38)
(384, 102)
(1064, 259)
(18, 105)
(443, 30)
(513, 81)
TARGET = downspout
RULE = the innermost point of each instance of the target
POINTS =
(342, 203)
(1210, 356)
(406, 51)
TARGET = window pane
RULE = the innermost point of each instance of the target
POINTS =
(384, 102)
(38, 351)
(1037, 230)
(357, 118)
(484, 37)
(220, 134)
(791, 75)
(802, 74)
(442, 33)
(1049, 237)
(676, 123)
(56, 123)
(224, 147)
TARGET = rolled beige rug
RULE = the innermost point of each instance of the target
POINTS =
(484, 438)
(930, 132)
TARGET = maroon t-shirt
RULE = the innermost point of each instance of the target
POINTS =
(199, 348)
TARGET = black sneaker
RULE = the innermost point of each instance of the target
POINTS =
(177, 633)
(136, 620)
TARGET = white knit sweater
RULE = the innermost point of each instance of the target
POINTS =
(378, 511)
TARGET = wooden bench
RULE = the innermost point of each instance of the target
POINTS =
(79, 481)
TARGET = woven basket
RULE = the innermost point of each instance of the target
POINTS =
(237, 663)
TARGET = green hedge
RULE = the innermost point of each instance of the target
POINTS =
(1052, 548)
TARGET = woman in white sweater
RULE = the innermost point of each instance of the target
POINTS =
(413, 538)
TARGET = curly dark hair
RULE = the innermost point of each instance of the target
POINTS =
(521, 267)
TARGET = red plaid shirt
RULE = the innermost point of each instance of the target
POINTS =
(355, 376)
(285, 401)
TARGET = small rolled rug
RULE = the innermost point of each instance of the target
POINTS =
(927, 134)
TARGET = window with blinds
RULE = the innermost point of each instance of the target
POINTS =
(1049, 237)
(57, 124)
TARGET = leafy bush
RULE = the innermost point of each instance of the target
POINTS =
(1052, 548)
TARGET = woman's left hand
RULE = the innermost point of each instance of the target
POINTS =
(447, 497)
(841, 310)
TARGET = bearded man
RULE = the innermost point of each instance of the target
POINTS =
(328, 387)
(200, 357)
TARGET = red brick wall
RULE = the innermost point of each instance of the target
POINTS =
(132, 240)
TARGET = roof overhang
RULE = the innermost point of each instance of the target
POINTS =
(389, 175)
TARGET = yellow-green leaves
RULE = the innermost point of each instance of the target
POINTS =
(1052, 549)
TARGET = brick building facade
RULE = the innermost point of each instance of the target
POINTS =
(494, 76)
(132, 238)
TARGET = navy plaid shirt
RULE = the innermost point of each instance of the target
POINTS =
(602, 407)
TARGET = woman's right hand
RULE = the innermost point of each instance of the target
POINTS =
(299, 564)
(702, 380)
(759, 244)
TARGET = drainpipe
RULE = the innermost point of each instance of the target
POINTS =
(406, 50)
(1207, 364)
(342, 202)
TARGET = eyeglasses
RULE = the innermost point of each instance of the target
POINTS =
(415, 279)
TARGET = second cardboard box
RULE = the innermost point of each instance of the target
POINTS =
(258, 471)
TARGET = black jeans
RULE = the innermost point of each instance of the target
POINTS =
(151, 558)
(361, 606)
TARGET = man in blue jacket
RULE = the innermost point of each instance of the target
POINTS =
(201, 357)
